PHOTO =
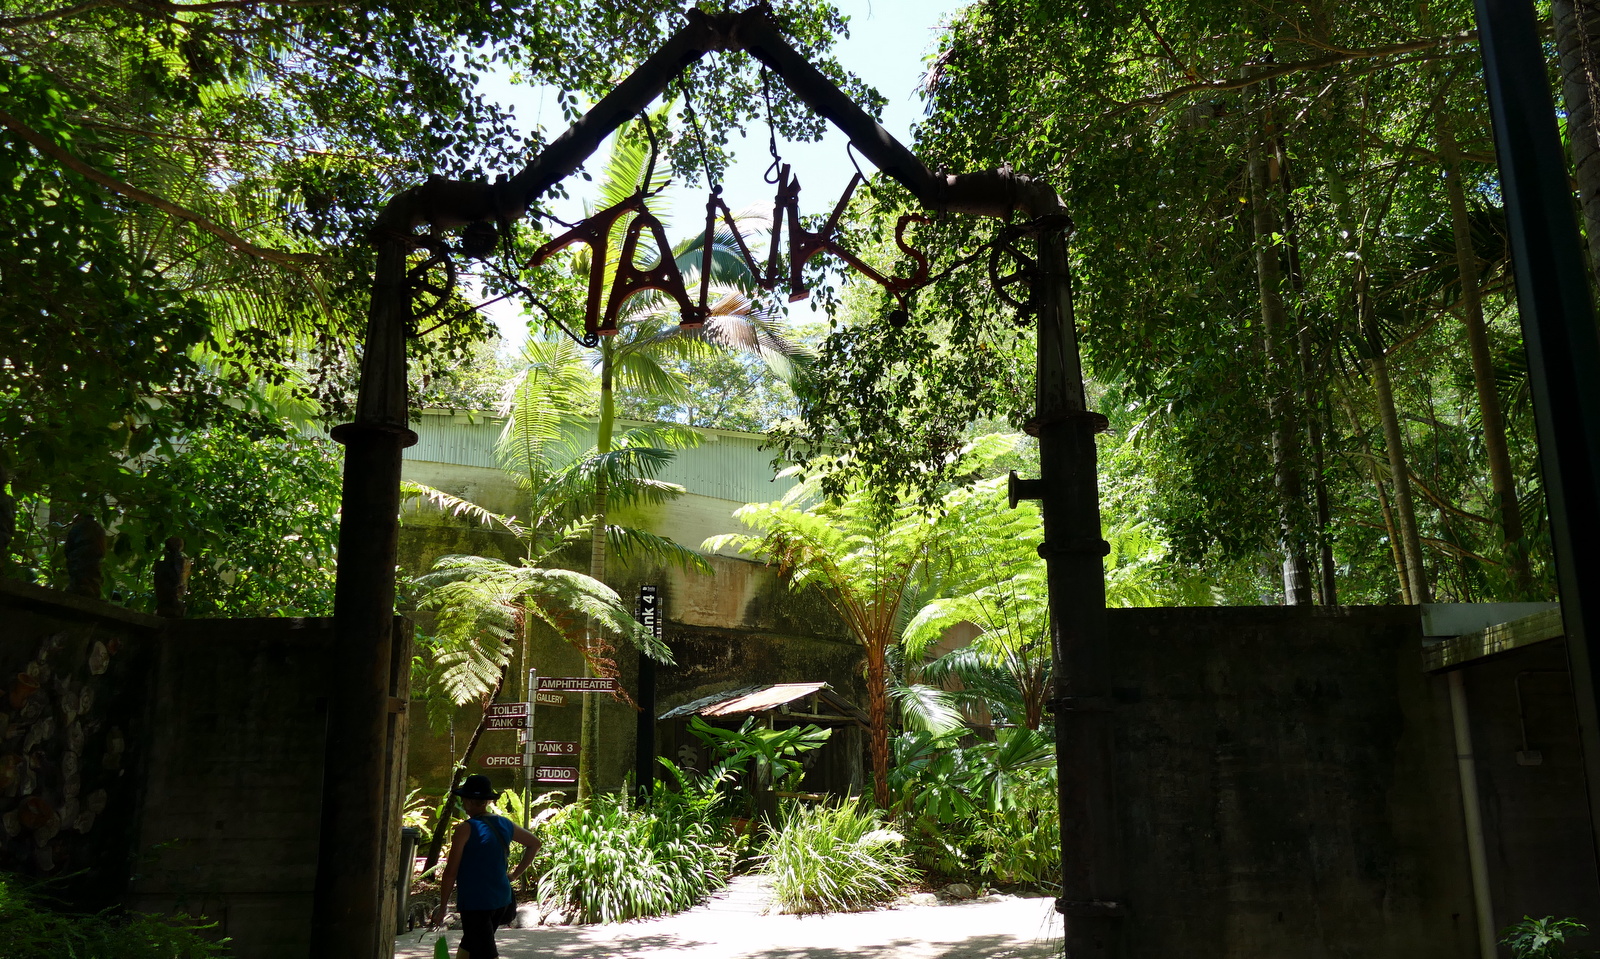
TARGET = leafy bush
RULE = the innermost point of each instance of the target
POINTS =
(835, 858)
(1541, 938)
(606, 862)
(987, 809)
(33, 930)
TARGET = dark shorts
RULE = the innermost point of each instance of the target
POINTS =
(478, 926)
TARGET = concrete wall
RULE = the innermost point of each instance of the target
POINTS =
(1287, 786)
(174, 766)
(233, 783)
(74, 734)
(1541, 861)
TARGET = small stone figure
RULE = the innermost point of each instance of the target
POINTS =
(172, 579)
(86, 547)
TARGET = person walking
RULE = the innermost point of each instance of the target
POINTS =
(476, 870)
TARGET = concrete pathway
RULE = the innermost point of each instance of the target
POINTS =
(733, 925)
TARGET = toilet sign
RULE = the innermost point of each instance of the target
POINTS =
(508, 709)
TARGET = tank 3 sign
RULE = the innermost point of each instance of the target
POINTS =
(578, 684)
(556, 747)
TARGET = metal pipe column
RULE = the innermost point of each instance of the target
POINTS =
(1558, 327)
(1074, 552)
(346, 906)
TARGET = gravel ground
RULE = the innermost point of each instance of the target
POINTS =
(733, 925)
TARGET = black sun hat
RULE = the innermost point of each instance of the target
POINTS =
(476, 787)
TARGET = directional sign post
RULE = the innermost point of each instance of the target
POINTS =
(578, 684)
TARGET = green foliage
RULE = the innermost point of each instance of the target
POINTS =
(1541, 938)
(774, 752)
(35, 930)
(987, 808)
(834, 858)
(605, 861)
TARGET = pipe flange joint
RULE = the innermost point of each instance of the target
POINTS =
(1091, 908)
(1074, 547)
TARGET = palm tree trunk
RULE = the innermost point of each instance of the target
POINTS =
(1506, 511)
(1286, 453)
(1577, 24)
(589, 734)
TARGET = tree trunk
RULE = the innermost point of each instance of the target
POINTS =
(1396, 551)
(878, 722)
(1506, 511)
(1314, 385)
(1577, 24)
(1410, 539)
(589, 734)
(1286, 453)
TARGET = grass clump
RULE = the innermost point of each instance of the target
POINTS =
(605, 861)
(835, 858)
(31, 928)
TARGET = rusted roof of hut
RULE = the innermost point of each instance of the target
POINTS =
(745, 700)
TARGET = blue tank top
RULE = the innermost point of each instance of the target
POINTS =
(482, 882)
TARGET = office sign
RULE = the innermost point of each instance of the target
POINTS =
(502, 761)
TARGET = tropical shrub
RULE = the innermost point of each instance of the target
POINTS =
(988, 808)
(1541, 938)
(35, 930)
(835, 858)
(606, 861)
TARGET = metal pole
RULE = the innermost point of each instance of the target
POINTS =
(1558, 327)
(346, 905)
(529, 757)
(1091, 901)
(644, 750)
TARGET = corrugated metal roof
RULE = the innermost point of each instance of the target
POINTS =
(755, 699)
(766, 697)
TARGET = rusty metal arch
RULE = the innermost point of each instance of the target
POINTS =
(347, 913)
